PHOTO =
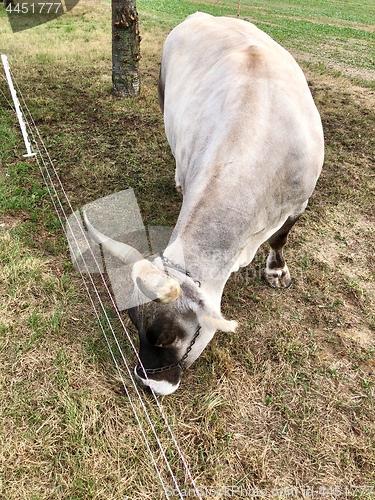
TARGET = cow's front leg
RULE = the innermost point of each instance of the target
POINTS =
(276, 272)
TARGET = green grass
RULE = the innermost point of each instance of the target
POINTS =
(335, 36)
(286, 401)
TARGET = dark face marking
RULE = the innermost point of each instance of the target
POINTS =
(161, 332)
(158, 331)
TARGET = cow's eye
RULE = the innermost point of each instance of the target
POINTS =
(161, 337)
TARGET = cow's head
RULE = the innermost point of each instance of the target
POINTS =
(175, 322)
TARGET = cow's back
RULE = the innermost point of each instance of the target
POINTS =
(242, 125)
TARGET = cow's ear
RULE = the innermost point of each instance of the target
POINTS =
(218, 323)
(206, 315)
(154, 283)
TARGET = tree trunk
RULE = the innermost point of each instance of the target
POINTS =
(125, 48)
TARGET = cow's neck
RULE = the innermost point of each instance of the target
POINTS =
(209, 271)
(200, 243)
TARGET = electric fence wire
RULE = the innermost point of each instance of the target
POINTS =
(102, 327)
(104, 311)
(58, 206)
(89, 283)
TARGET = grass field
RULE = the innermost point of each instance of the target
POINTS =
(285, 402)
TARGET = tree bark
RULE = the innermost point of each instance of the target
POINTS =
(125, 48)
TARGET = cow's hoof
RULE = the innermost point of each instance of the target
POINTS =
(278, 278)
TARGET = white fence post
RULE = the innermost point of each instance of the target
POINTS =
(17, 106)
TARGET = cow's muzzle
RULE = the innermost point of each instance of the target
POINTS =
(159, 387)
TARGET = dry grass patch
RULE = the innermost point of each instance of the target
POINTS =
(66, 430)
(64, 40)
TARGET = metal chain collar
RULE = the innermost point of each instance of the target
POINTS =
(179, 364)
(179, 268)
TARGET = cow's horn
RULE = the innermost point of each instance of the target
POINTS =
(124, 252)
(151, 281)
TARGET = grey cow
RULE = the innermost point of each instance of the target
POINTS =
(248, 144)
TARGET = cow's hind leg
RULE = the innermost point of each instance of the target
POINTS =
(276, 272)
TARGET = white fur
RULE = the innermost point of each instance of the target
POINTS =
(160, 387)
